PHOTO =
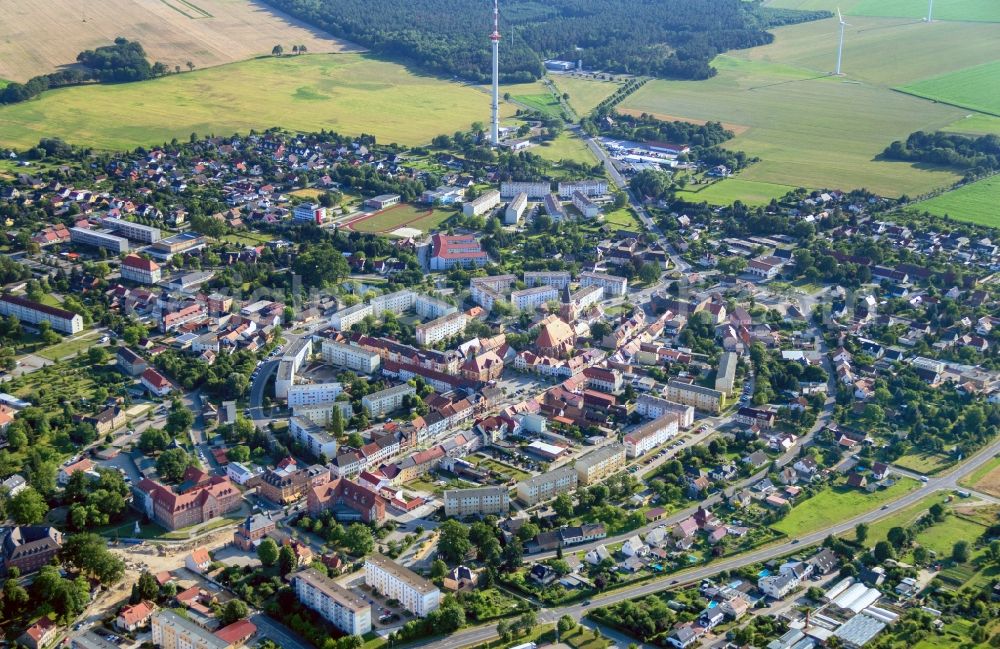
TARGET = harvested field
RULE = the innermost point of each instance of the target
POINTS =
(41, 36)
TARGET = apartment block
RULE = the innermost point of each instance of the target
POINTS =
(312, 436)
(99, 239)
(532, 190)
(477, 502)
(143, 271)
(725, 377)
(597, 465)
(134, 231)
(588, 188)
(322, 413)
(348, 317)
(398, 302)
(555, 278)
(312, 393)
(415, 593)
(385, 401)
(487, 291)
(546, 486)
(441, 328)
(613, 285)
(337, 605)
(351, 357)
(481, 204)
(651, 434)
(312, 212)
(587, 207)
(691, 394)
(34, 313)
(554, 208)
(171, 631)
(654, 407)
(515, 209)
(429, 308)
(530, 299)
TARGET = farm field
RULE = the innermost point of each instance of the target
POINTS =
(839, 504)
(976, 88)
(724, 192)
(40, 36)
(963, 10)
(399, 216)
(584, 94)
(975, 124)
(565, 147)
(975, 203)
(347, 93)
(986, 478)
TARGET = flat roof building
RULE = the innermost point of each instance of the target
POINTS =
(546, 486)
(99, 239)
(597, 465)
(134, 231)
(477, 502)
(337, 605)
(385, 401)
(416, 594)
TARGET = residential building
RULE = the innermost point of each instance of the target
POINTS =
(482, 203)
(322, 413)
(198, 561)
(555, 278)
(587, 207)
(429, 308)
(597, 465)
(288, 482)
(351, 357)
(383, 201)
(99, 239)
(448, 251)
(171, 631)
(692, 394)
(487, 291)
(548, 485)
(441, 328)
(337, 605)
(725, 376)
(347, 317)
(481, 501)
(385, 401)
(238, 473)
(748, 416)
(312, 437)
(531, 190)
(130, 363)
(308, 394)
(237, 634)
(397, 302)
(252, 531)
(30, 312)
(134, 231)
(131, 617)
(143, 271)
(613, 285)
(28, 548)
(589, 188)
(392, 580)
(312, 212)
(156, 383)
(653, 407)
(515, 209)
(554, 208)
(348, 500)
(651, 434)
(40, 634)
(530, 299)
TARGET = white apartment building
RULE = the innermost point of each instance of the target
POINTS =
(313, 212)
(546, 486)
(312, 436)
(308, 394)
(322, 413)
(651, 434)
(379, 403)
(398, 302)
(289, 365)
(584, 297)
(530, 299)
(597, 465)
(654, 407)
(487, 291)
(441, 328)
(691, 394)
(136, 269)
(429, 308)
(415, 593)
(171, 631)
(587, 207)
(348, 317)
(98, 239)
(477, 502)
(129, 230)
(589, 188)
(556, 278)
(482, 204)
(533, 190)
(515, 209)
(34, 313)
(554, 208)
(337, 605)
(353, 358)
(613, 285)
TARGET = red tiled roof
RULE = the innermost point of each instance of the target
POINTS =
(237, 631)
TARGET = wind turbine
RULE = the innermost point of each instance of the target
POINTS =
(840, 46)
(930, 10)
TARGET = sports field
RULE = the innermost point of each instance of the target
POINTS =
(399, 216)
(976, 203)
(347, 93)
(977, 88)
(584, 93)
(40, 36)
(724, 192)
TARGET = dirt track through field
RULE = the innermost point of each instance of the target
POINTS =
(41, 36)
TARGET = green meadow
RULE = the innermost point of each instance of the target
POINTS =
(976, 203)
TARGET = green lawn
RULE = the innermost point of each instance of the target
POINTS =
(955, 635)
(347, 93)
(584, 94)
(623, 219)
(976, 88)
(975, 124)
(808, 129)
(924, 462)
(838, 504)
(248, 238)
(542, 102)
(69, 347)
(976, 203)
(879, 530)
(565, 147)
(503, 468)
(403, 215)
(941, 537)
(724, 192)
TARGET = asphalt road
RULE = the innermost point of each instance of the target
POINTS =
(943, 483)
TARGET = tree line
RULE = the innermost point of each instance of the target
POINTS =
(120, 62)
(664, 38)
(977, 155)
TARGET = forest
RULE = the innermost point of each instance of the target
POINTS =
(978, 155)
(663, 38)
(123, 61)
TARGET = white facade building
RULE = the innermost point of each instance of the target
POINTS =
(530, 299)
(481, 204)
(515, 209)
(613, 285)
(337, 605)
(441, 328)
(589, 188)
(312, 436)
(533, 190)
(392, 580)
(308, 394)
(651, 434)
(351, 357)
(379, 403)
